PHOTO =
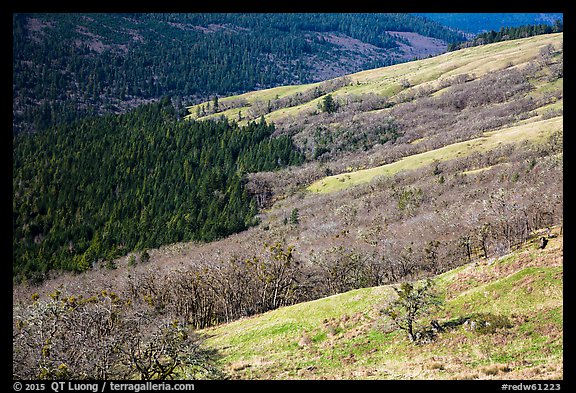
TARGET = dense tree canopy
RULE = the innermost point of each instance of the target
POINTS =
(103, 186)
(71, 65)
(509, 33)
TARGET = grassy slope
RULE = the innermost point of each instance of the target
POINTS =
(535, 130)
(342, 336)
(387, 80)
(500, 55)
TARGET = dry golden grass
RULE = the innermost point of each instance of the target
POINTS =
(420, 73)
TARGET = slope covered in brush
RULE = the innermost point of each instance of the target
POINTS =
(454, 96)
(346, 337)
(468, 152)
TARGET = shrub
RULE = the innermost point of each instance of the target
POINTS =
(486, 323)
(414, 301)
(105, 337)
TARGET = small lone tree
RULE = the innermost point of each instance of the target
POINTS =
(294, 217)
(328, 105)
(413, 301)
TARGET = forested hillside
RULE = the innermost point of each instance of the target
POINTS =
(468, 169)
(100, 187)
(508, 33)
(138, 226)
(476, 23)
(71, 65)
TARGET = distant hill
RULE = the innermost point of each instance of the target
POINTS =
(70, 65)
(475, 23)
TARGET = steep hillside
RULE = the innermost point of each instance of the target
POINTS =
(446, 167)
(388, 81)
(536, 130)
(345, 336)
(488, 129)
(376, 107)
(407, 116)
(105, 186)
(68, 65)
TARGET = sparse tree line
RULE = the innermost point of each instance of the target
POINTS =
(508, 33)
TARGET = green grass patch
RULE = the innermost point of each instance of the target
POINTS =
(515, 293)
(343, 336)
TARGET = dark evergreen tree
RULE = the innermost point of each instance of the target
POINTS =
(508, 33)
(328, 104)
